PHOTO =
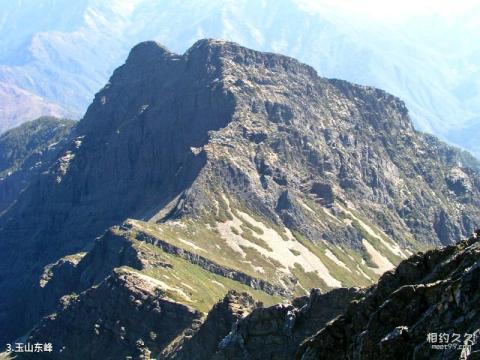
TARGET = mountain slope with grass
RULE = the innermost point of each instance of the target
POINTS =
(227, 169)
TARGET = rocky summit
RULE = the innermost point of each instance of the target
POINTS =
(222, 169)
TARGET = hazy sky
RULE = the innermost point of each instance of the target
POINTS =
(388, 10)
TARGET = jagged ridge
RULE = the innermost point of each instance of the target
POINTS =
(435, 292)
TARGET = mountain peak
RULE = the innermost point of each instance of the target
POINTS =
(213, 54)
(244, 56)
(210, 42)
(148, 50)
(249, 163)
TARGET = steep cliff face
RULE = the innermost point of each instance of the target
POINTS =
(245, 165)
(426, 309)
(276, 332)
(203, 344)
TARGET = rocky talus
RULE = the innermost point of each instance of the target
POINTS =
(128, 315)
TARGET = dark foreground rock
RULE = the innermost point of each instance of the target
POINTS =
(427, 308)
(219, 322)
(276, 332)
(129, 315)
(126, 315)
(431, 300)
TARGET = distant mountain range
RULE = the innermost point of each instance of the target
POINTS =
(54, 55)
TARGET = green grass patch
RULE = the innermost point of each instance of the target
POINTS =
(255, 229)
(223, 212)
(247, 234)
(377, 244)
(295, 252)
(209, 244)
(259, 260)
(347, 278)
(197, 287)
(270, 224)
(308, 280)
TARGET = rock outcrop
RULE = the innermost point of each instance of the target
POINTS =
(76, 273)
(426, 309)
(204, 343)
(276, 332)
(126, 315)
(129, 315)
